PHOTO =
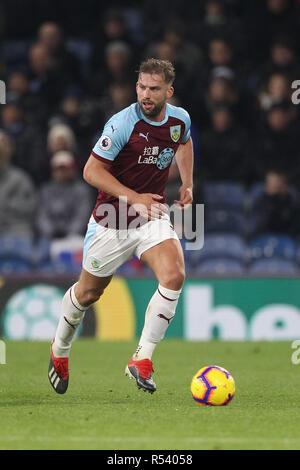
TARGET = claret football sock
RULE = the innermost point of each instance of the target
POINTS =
(159, 314)
(72, 314)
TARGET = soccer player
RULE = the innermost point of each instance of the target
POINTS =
(129, 165)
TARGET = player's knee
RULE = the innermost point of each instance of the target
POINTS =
(173, 279)
(90, 296)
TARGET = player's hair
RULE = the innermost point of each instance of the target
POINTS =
(163, 67)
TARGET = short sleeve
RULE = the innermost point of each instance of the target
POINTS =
(183, 116)
(111, 141)
(187, 132)
(115, 135)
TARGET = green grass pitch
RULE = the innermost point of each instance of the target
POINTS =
(103, 409)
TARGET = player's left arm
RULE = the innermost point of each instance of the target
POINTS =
(185, 162)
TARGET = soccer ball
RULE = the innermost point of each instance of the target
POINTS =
(213, 385)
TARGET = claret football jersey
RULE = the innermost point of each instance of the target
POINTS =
(140, 151)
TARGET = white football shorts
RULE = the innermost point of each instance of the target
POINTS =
(106, 249)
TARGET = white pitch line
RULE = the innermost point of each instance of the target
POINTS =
(149, 439)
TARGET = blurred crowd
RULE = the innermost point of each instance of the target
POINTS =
(69, 66)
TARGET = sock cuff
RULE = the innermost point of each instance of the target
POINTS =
(74, 299)
(168, 294)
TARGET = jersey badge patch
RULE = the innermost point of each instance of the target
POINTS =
(95, 264)
(175, 133)
(105, 142)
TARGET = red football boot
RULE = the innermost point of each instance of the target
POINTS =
(58, 372)
(141, 371)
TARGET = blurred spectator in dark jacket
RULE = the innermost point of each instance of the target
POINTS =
(221, 89)
(33, 105)
(83, 115)
(65, 202)
(119, 96)
(264, 21)
(184, 83)
(117, 68)
(163, 50)
(175, 46)
(221, 53)
(277, 208)
(277, 143)
(281, 17)
(283, 59)
(17, 195)
(29, 144)
(64, 63)
(110, 28)
(44, 79)
(217, 22)
(224, 148)
(275, 90)
(188, 55)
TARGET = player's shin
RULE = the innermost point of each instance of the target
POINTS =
(159, 314)
(72, 314)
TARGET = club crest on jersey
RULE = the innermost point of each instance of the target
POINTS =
(164, 158)
(105, 142)
(95, 263)
(175, 133)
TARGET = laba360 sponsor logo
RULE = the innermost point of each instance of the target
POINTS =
(151, 155)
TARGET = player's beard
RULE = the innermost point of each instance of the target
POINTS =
(153, 112)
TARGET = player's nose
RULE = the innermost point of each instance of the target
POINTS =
(147, 93)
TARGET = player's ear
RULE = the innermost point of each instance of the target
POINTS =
(170, 92)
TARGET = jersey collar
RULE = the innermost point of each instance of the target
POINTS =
(153, 123)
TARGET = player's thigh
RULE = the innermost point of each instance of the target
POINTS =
(167, 263)
(89, 287)
(105, 250)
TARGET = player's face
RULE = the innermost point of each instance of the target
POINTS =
(152, 94)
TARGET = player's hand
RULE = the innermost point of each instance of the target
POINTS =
(186, 197)
(147, 205)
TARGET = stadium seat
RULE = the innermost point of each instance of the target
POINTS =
(219, 245)
(224, 194)
(219, 266)
(273, 245)
(16, 248)
(42, 251)
(10, 266)
(59, 267)
(273, 266)
(224, 220)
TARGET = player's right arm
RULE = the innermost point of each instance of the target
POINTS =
(96, 173)
(115, 136)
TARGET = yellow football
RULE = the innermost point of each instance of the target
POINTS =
(213, 385)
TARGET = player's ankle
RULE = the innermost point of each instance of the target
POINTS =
(144, 351)
(59, 350)
(141, 357)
